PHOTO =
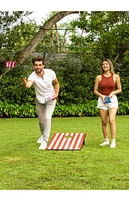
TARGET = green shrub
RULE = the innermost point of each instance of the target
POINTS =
(71, 110)
(76, 78)
(76, 73)
(123, 108)
(15, 110)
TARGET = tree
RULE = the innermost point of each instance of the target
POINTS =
(105, 33)
(12, 24)
(41, 33)
(21, 56)
(14, 34)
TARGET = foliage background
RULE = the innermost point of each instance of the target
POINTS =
(76, 61)
(76, 96)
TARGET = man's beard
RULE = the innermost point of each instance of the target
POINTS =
(38, 71)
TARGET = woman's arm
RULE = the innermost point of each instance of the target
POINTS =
(118, 85)
(96, 86)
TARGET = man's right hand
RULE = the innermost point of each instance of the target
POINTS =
(24, 81)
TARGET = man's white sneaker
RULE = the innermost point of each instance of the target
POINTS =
(106, 142)
(40, 139)
(113, 144)
(43, 145)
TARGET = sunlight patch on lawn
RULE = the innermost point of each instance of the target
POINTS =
(11, 159)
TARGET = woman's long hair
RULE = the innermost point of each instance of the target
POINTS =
(111, 66)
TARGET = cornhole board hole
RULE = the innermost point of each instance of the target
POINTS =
(66, 141)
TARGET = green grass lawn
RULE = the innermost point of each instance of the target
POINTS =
(24, 167)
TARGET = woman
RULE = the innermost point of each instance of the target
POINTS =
(108, 84)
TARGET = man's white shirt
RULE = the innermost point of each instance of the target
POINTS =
(43, 86)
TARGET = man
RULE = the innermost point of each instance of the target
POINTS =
(46, 87)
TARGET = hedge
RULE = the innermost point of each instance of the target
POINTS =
(27, 110)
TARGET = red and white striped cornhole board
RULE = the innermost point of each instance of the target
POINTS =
(66, 141)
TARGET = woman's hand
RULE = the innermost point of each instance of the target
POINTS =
(103, 97)
(111, 95)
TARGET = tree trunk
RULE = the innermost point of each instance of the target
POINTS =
(51, 38)
(40, 34)
(57, 38)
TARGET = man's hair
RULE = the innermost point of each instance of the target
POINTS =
(38, 58)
